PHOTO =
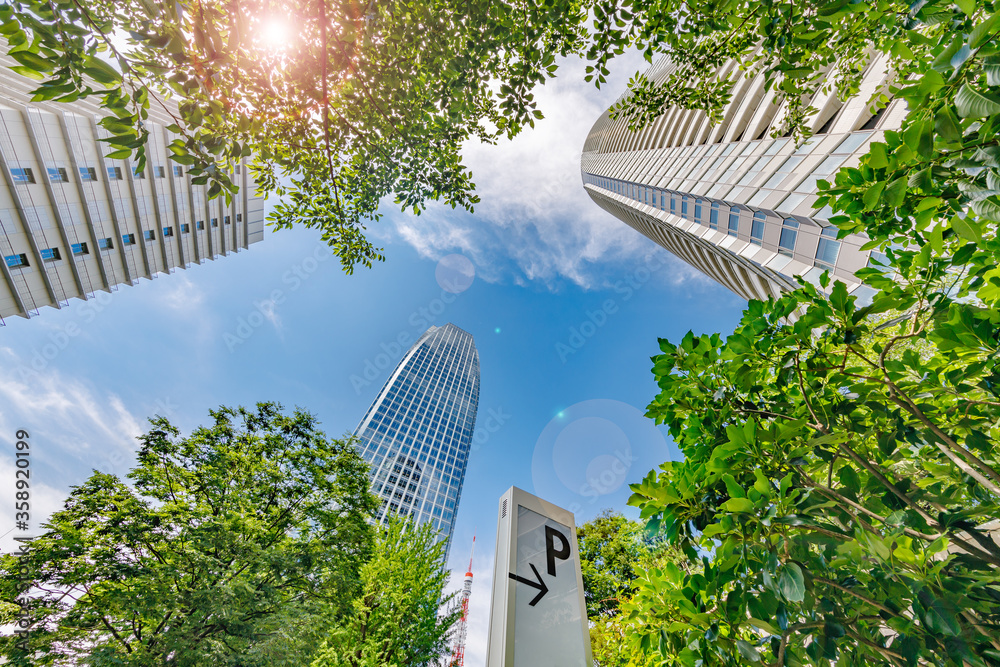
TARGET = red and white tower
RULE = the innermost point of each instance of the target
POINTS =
(458, 653)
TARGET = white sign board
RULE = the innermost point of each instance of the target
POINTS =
(538, 617)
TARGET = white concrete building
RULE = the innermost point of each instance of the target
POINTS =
(730, 199)
(73, 221)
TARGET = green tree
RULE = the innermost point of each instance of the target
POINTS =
(841, 477)
(361, 101)
(253, 517)
(397, 620)
(615, 552)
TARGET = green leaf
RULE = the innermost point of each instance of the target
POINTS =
(33, 61)
(895, 192)
(878, 157)
(764, 625)
(946, 124)
(982, 32)
(747, 650)
(791, 583)
(732, 488)
(992, 74)
(738, 506)
(972, 103)
(872, 194)
(940, 618)
(967, 6)
(29, 72)
(988, 209)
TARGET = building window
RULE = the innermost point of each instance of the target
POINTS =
(663, 201)
(697, 210)
(104, 244)
(137, 173)
(783, 172)
(16, 261)
(178, 171)
(828, 249)
(58, 175)
(50, 254)
(713, 216)
(822, 172)
(185, 228)
(149, 235)
(168, 231)
(225, 220)
(128, 239)
(199, 225)
(239, 217)
(114, 173)
(734, 221)
(88, 174)
(159, 172)
(755, 170)
(851, 143)
(22, 175)
(757, 228)
(239, 170)
(786, 243)
(215, 222)
(80, 249)
(684, 206)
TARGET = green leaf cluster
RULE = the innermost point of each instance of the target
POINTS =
(841, 477)
(243, 543)
(396, 621)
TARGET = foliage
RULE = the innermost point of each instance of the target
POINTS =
(244, 521)
(614, 550)
(838, 480)
(357, 102)
(614, 553)
(364, 102)
(397, 620)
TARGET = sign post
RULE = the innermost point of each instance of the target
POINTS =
(538, 617)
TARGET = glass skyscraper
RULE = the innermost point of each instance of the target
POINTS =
(417, 434)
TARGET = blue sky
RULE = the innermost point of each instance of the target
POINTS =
(566, 307)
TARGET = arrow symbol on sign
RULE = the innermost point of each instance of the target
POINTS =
(540, 585)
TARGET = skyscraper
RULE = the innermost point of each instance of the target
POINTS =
(73, 221)
(729, 198)
(417, 434)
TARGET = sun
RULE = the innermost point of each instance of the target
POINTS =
(274, 33)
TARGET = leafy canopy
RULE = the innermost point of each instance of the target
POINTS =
(255, 516)
(360, 102)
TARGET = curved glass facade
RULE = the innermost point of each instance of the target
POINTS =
(417, 434)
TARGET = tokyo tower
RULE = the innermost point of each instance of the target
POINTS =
(458, 652)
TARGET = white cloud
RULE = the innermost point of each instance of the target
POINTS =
(72, 429)
(535, 221)
(182, 295)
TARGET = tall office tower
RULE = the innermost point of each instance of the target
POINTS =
(728, 198)
(417, 434)
(74, 221)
